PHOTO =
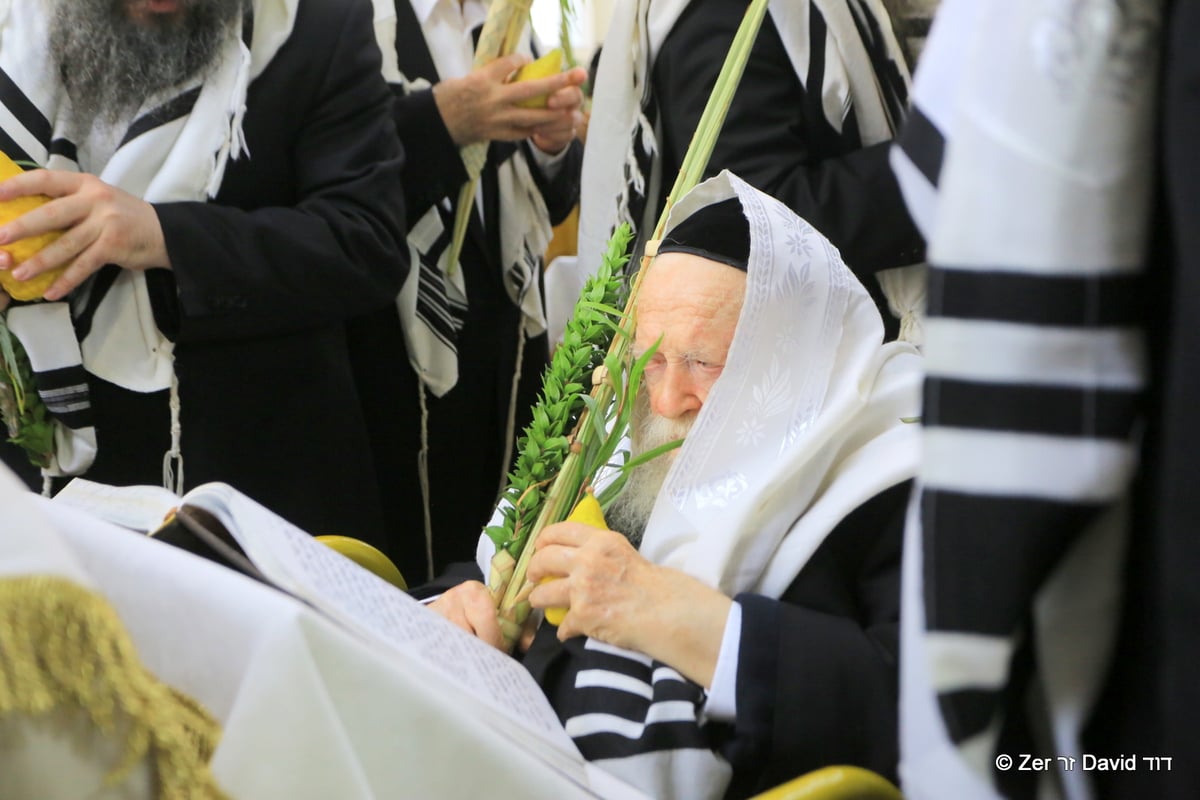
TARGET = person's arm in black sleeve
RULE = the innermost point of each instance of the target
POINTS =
(434, 169)
(328, 242)
(818, 672)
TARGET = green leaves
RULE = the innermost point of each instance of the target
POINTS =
(25, 416)
(546, 442)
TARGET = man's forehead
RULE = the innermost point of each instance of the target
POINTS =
(686, 294)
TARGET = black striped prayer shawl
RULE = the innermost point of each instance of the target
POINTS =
(1027, 162)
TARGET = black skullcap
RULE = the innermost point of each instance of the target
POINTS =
(718, 232)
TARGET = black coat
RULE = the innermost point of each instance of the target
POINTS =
(466, 426)
(305, 232)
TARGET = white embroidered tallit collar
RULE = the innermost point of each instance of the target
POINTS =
(806, 422)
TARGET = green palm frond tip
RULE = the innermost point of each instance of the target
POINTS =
(546, 441)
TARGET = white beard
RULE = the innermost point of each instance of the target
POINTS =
(630, 512)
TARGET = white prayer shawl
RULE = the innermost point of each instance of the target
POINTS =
(618, 127)
(181, 156)
(810, 418)
(433, 300)
(1028, 162)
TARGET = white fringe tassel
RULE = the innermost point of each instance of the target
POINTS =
(510, 433)
(423, 477)
(173, 458)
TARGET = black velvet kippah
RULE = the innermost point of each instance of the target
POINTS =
(718, 232)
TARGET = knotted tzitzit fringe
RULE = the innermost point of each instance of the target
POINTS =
(63, 648)
(510, 426)
(173, 474)
(423, 479)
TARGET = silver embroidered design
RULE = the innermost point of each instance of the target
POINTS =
(718, 492)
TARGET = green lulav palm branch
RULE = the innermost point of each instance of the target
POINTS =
(556, 463)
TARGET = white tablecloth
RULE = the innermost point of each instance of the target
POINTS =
(308, 709)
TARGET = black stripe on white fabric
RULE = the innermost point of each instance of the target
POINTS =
(923, 143)
(657, 737)
(12, 149)
(814, 81)
(969, 712)
(101, 282)
(1049, 410)
(1110, 300)
(66, 395)
(444, 317)
(25, 112)
(624, 704)
(891, 81)
(169, 111)
(64, 148)
(1020, 539)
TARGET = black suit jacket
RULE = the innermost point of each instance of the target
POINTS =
(305, 232)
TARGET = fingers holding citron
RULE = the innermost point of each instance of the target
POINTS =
(544, 67)
(588, 512)
(24, 249)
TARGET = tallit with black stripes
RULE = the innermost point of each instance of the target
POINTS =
(1027, 163)
(175, 149)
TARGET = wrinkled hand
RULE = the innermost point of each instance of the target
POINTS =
(481, 107)
(612, 593)
(469, 606)
(101, 224)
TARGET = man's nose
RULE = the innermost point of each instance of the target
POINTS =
(675, 393)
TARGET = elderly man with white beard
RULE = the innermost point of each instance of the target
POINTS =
(750, 633)
(226, 176)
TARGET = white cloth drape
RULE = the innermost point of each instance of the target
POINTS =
(309, 710)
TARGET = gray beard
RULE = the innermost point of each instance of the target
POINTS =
(110, 65)
(630, 512)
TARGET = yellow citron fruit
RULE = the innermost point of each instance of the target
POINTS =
(366, 556)
(588, 512)
(544, 67)
(26, 248)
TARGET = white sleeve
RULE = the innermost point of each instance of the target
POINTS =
(548, 164)
(722, 695)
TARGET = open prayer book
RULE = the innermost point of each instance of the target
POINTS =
(252, 539)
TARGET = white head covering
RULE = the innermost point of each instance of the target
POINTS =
(806, 421)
